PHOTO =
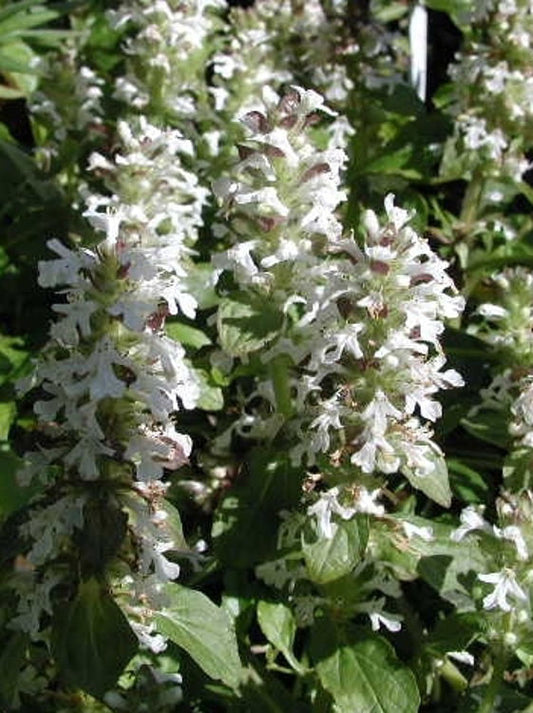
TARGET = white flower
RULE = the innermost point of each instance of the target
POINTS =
(411, 530)
(108, 222)
(505, 586)
(66, 270)
(378, 412)
(326, 506)
(514, 535)
(471, 519)
(389, 621)
(462, 657)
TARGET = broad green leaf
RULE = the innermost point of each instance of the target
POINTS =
(172, 526)
(247, 322)
(458, 10)
(211, 397)
(445, 565)
(468, 483)
(9, 92)
(391, 162)
(199, 283)
(91, 640)
(436, 484)
(8, 413)
(332, 558)
(17, 57)
(526, 189)
(518, 470)
(205, 631)
(455, 633)
(245, 527)
(279, 626)
(100, 538)
(187, 335)
(390, 12)
(12, 8)
(12, 496)
(362, 673)
(18, 22)
(450, 567)
(13, 357)
(11, 661)
(489, 426)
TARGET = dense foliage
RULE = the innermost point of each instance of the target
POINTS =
(266, 358)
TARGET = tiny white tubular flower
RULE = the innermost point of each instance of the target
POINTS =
(461, 656)
(471, 520)
(492, 311)
(378, 617)
(505, 586)
(68, 269)
(389, 621)
(326, 506)
(514, 535)
(425, 533)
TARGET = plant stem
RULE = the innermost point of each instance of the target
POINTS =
(279, 372)
(471, 201)
(487, 704)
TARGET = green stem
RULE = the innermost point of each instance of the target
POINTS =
(279, 373)
(487, 704)
(471, 202)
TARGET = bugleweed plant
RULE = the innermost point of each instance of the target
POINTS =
(266, 357)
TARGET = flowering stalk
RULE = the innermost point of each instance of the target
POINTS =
(109, 381)
(168, 54)
(491, 107)
(361, 325)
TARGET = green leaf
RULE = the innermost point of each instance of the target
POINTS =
(102, 534)
(211, 397)
(468, 483)
(187, 335)
(518, 470)
(12, 496)
(332, 558)
(392, 162)
(489, 426)
(9, 92)
(172, 526)
(456, 632)
(361, 672)
(436, 484)
(279, 626)
(247, 322)
(199, 279)
(11, 661)
(13, 358)
(91, 640)
(8, 413)
(245, 527)
(205, 631)
(18, 22)
(450, 567)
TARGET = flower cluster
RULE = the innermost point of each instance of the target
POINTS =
(262, 34)
(109, 381)
(507, 547)
(358, 349)
(168, 53)
(493, 91)
(505, 324)
(67, 110)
